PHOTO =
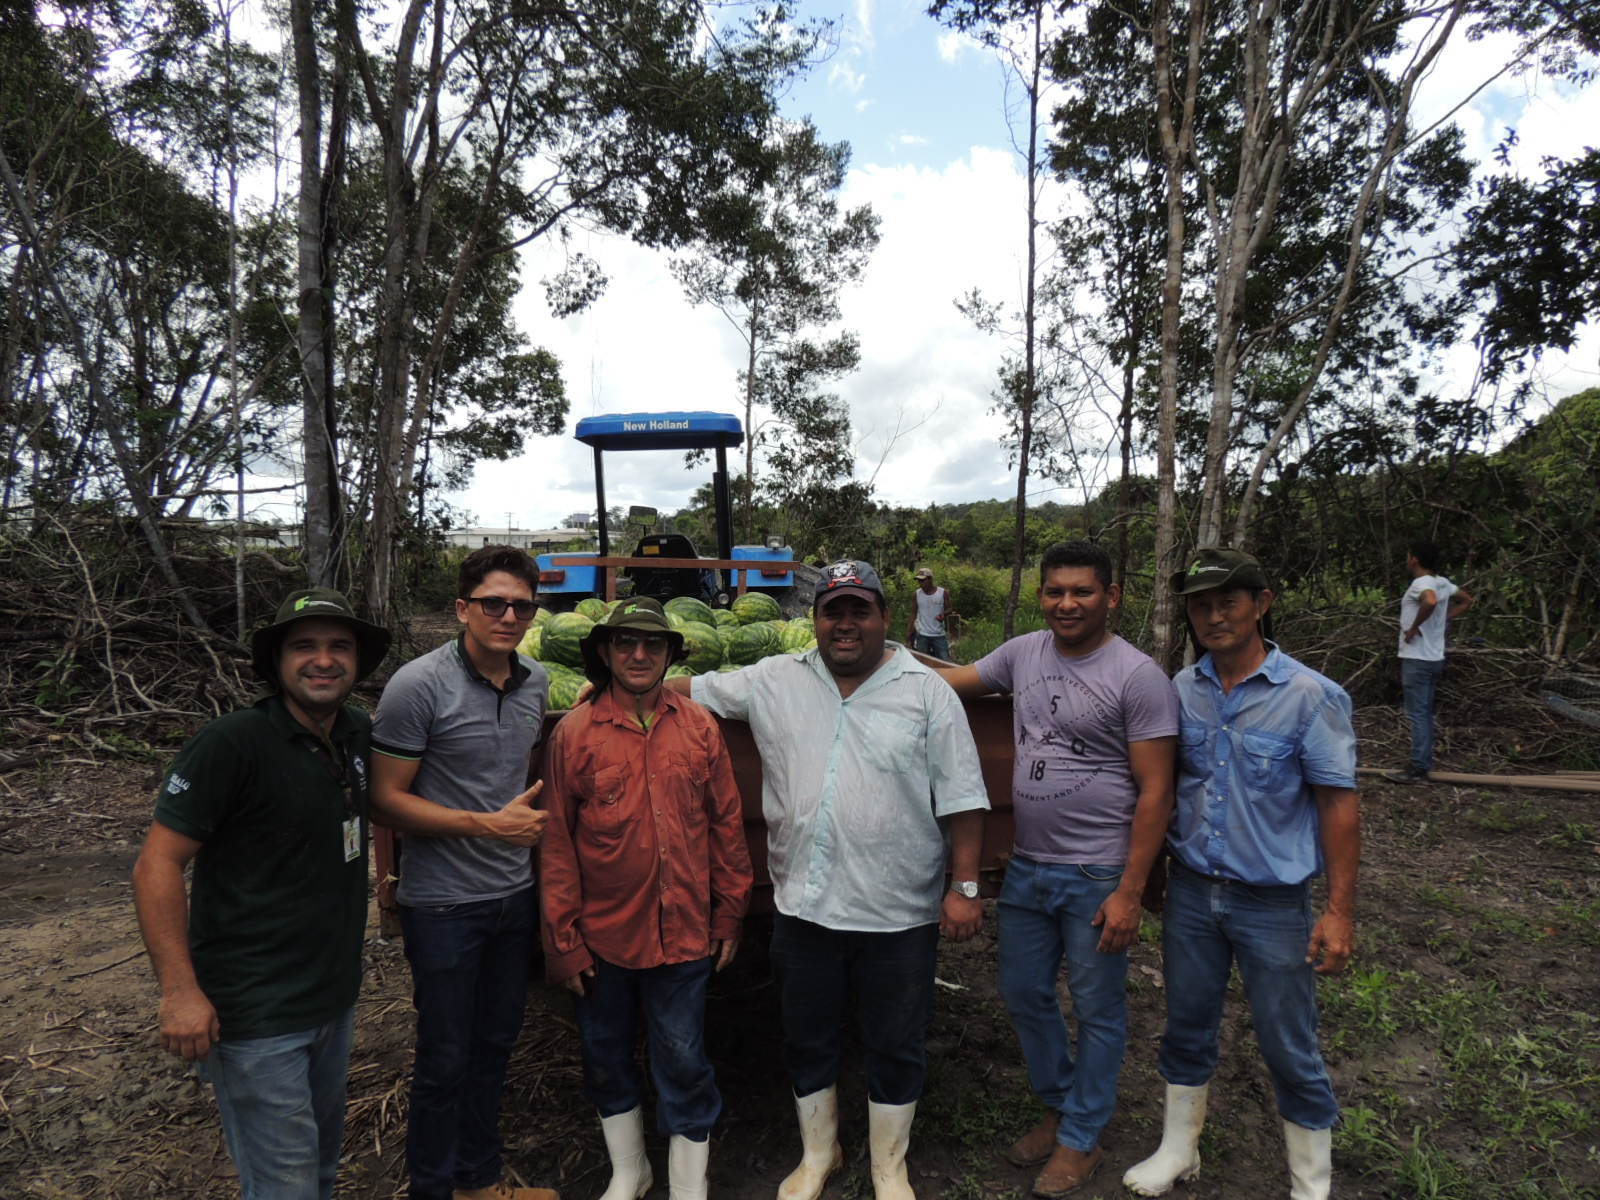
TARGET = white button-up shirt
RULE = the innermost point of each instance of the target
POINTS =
(853, 788)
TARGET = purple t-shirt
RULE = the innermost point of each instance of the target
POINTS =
(1072, 792)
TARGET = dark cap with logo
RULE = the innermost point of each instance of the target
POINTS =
(1214, 567)
(372, 641)
(849, 578)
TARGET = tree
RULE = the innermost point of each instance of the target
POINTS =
(1017, 31)
(776, 278)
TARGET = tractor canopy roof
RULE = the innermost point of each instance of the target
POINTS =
(661, 431)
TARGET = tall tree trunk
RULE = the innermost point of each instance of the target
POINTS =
(1030, 361)
(1176, 131)
(315, 310)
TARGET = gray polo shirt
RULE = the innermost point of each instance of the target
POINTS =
(474, 743)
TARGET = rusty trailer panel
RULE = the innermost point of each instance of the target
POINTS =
(989, 716)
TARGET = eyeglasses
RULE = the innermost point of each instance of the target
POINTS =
(495, 606)
(653, 643)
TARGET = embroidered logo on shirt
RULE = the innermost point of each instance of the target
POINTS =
(176, 784)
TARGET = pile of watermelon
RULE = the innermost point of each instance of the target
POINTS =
(716, 639)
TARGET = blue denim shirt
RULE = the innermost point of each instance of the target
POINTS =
(1246, 765)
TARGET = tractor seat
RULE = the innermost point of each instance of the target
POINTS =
(663, 583)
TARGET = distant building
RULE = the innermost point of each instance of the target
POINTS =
(539, 541)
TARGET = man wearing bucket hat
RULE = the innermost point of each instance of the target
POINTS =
(1266, 801)
(260, 964)
(867, 765)
(644, 882)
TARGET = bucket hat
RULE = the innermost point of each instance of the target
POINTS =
(1215, 567)
(642, 615)
(372, 641)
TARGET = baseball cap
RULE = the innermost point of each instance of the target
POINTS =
(1216, 567)
(372, 641)
(851, 577)
(924, 573)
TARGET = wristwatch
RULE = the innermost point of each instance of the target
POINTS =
(965, 887)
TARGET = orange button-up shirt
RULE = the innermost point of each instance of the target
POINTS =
(644, 860)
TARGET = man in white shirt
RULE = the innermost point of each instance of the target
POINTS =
(927, 631)
(1430, 602)
(870, 786)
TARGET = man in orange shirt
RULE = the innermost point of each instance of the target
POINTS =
(645, 877)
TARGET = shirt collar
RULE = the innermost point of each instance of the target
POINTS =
(519, 673)
(1274, 668)
(283, 721)
(606, 708)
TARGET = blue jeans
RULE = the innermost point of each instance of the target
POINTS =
(674, 996)
(282, 1105)
(937, 645)
(1207, 925)
(1420, 679)
(1045, 913)
(892, 976)
(469, 984)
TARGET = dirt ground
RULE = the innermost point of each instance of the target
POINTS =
(1464, 1042)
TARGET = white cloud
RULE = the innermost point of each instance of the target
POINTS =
(861, 32)
(846, 78)
(911, 139)
(955, 46)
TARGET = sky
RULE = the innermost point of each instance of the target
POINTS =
(924, 112)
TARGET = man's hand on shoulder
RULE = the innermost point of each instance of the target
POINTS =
(1118, 921)
(1332, 943)
(518, 823)
(961, 918)
(189, 1026)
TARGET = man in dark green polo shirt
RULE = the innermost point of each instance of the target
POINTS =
(259, 966)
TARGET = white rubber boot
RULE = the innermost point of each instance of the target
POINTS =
(889, 1134)
(819, 1143)
(1310, 1153)
(1178, 1156)
(631, 1177)
(686, 1168)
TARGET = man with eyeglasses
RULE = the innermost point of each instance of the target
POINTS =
(454, 733)
(644, 878)
(260, 963)
(870, 787)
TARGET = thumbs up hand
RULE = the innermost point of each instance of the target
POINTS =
(518, 823)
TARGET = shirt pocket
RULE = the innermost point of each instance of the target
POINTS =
(1269, 762)
(1193, 756)
(687, 784)
(602, 811)
(894, 744)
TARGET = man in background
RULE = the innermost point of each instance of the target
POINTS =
(927, 631)
(260, 963)
(1425, 610)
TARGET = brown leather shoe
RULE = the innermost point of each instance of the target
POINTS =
(501, 1190)
(1033, 1147)
(1067, 1171)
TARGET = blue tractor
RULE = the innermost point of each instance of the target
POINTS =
(664, 565)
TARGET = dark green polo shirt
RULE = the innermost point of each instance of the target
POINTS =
(276, 913)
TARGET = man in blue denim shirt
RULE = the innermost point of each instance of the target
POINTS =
(1266, 801)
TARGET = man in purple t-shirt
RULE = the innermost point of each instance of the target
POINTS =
(1096, 726)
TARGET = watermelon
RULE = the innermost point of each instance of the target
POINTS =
(532, 641)
(798, 635)
(542, 615)
(678, 670)
(703, 646)
(593, 607)
(755, 606)
(565, 684)
(689, 609)
(724, 618)
(563, 635)
(749, 643)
